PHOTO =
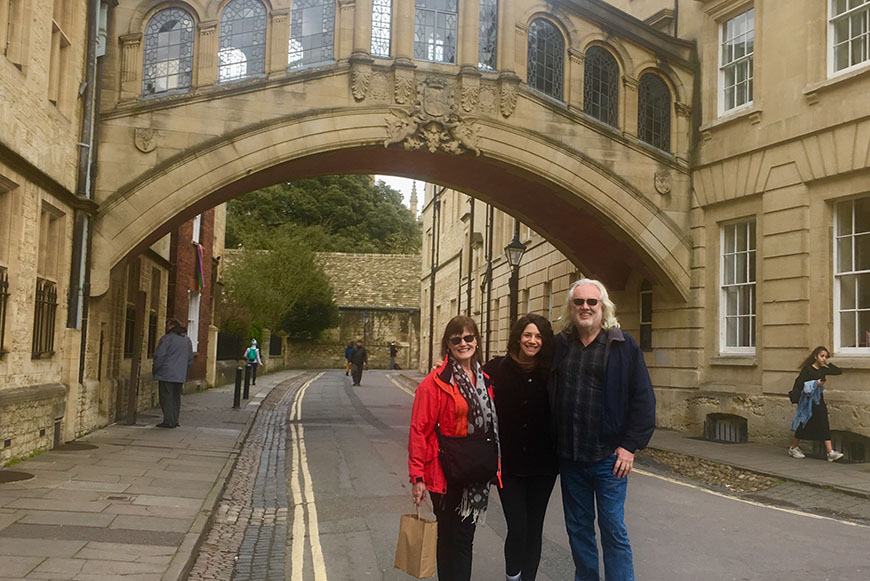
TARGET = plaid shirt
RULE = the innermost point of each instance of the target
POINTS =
(579, 395)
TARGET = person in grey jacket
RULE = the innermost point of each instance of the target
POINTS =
(172, 358)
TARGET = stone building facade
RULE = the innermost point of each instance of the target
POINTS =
(779, 167)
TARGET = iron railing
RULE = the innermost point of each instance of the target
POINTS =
(43, 318)
(4, 297)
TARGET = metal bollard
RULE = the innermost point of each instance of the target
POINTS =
(247, 381)
(237, 393)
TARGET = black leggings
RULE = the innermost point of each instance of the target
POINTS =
(524, 501)
(455, 537)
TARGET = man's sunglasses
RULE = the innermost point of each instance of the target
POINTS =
(457, 340)
(590, 302)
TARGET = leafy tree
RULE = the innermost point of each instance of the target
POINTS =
(341, 213)
(276, 283)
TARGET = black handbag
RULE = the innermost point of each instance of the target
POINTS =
(468, 459)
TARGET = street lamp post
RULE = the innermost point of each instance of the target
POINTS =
(514, 254)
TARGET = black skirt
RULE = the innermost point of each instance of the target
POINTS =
(817, 427)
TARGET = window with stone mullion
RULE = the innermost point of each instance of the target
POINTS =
(382, 18)
(168, 59)
(545, 58)
(488, 35)
(242, 40)
(435, 30)
(312, 32)
(600, 85)
(654, 112)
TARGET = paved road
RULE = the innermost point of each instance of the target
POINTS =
(322, 482)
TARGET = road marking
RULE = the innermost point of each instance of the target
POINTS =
(746, 501)
(303, 496)
(400, 386)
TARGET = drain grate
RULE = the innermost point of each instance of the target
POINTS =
(13, 476)
(726, 428)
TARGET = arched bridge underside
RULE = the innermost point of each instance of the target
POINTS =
(610, 202)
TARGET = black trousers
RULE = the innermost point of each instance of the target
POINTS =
(524, 501)
(170, 401)
(356, 373)
(455, 537)
(254, 373)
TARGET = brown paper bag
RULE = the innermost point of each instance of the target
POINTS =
(415, 550)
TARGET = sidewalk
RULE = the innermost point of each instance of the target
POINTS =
(126, 500)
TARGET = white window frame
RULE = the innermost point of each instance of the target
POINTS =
(193, 318)
(751, 315)
(847, 15)
(841, 241)
(748, 57)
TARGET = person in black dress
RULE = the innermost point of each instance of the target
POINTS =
(529, 464)
(816, 366)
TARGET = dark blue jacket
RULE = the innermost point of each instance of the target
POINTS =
(629, 404)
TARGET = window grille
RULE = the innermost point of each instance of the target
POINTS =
(168, 61)
(850, 33)
(487, 39)
(646, 299)
(726, 428)
(737, 56)
(243, 40)
(44, 315)
(152, 334)
(312, 32)
(654, 112)
(435, 24)
(129, 330)
(738, 286)
(600, 85)
(852, 275)
(382, 20)
(546, 58)
(4, 298)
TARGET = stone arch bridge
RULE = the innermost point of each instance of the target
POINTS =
(499, 99)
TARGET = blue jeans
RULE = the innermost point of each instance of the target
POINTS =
(585, 484)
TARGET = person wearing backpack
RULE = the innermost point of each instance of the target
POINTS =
(811, 420)
(252, 358)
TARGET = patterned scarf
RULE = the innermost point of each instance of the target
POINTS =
(481, 415)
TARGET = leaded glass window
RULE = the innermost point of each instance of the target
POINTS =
(435, 23)
(850, 33)
(487, 39)
(600, 85)
(546, 58)
(168, 61)
(382, 20)
(654, 112)
(737, 57)
(312, 32)
(243, 40)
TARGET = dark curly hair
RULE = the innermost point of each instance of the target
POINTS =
(545, 355)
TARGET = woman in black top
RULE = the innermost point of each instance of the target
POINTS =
(815, 366)
(528, 456)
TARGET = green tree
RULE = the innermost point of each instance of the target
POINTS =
(341, 213)
(275, 282)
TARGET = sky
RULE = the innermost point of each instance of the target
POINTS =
(404, 185)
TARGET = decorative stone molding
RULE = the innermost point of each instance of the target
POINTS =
(508, 87)
(379, 89)
(662, 182)
(404, 84)
(434, 123)
(487, 100)
(755, 117)
(682, 109)
(145, 139)
(360, 76)
(130, 57)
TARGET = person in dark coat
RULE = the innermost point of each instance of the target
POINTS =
(394, 351)
(359, 359)
(528, 451)
(172, 358)
(815, 367)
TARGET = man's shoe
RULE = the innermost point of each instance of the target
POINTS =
(796, 453)
(833, 456)
(164, 425)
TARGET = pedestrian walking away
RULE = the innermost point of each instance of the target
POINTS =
(456, 398)
(394, 351)
(603, 412)
(347, 352)
(811, 418)
(252, 357)
(172, 358)
(528, 463)
(359, 360)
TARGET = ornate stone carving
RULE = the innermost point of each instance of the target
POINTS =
(470, 96)
(359, 83)
(379, 89)
(433, 124)
(145, 139)
(487, 100)
(682, 109)
(663, 182)
(508, 99)
(404, 88)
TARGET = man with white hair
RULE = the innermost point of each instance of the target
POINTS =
(603, 412)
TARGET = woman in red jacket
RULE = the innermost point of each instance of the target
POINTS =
(458, 398)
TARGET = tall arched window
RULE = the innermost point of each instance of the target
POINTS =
(600, 85)
(382, 20)
(487, 40)
(243, 40)
(168, 61)
(312, 32)
(654, 112)
(435, 23)
(546, 58)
